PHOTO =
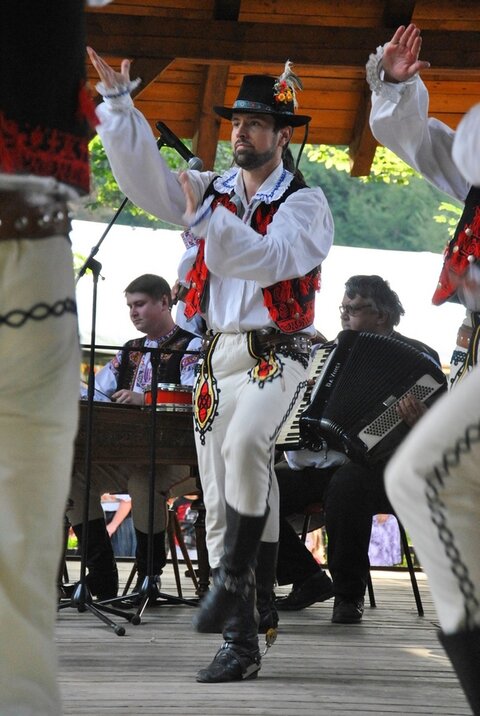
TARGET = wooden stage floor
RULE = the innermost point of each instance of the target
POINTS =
(392, 663)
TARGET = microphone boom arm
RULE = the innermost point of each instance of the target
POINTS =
(169, 139)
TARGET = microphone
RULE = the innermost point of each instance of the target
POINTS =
(169, 139)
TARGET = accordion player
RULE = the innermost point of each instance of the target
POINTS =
(353, 405)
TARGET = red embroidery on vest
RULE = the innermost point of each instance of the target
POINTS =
(290, 303)
(44, 152)
(458, 256)
(197, 279)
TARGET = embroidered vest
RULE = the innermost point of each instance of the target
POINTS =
(290, 303)
(462, 251)
(46, 113)
(169, 366)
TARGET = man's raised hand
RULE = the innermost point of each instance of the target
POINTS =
(400, 56)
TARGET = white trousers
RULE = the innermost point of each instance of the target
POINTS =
(39, 358)
(237, 456)
(433, 482)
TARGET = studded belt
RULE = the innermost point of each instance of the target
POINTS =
(32, 215)
(266, 339)
(464, 336)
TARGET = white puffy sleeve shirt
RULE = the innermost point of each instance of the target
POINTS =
(423, 142)
(466, 146)
(240, 260)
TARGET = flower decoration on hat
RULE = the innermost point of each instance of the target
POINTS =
(284, 89)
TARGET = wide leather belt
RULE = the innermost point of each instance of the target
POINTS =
(32, 215)
(266, 340)
(464, 336)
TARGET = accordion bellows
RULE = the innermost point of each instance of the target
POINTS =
(353, 406)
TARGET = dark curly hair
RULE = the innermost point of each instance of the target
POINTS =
(377, 290)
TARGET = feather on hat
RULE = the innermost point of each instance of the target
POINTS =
(262, 94)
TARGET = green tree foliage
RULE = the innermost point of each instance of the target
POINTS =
(106, 196)
(409, 214)
(393, 208)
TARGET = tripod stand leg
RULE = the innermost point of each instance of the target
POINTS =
(82, 601)
(171, 531)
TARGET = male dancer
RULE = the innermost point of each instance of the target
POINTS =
(257, 238)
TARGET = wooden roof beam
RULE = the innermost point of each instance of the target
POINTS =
(363, 144)
(397, 12)
(205, 138)
(226, 9)
(148, 71)
(236, 42)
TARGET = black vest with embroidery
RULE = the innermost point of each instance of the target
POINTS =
(169, 365)
(290, 303)
(46, 114)
(462, 251)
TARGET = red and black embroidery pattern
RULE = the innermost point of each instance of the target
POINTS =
(196, 279)
(462, 251)
(205, 399)
(290, 303)
(46, 114)
(43, 152)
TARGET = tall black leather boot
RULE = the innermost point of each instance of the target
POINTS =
(102, 577)
(239, 657)
(159, 559)
(265, 582)
(235, 579)
(463, 650)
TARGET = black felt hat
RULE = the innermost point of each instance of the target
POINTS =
(262, 94)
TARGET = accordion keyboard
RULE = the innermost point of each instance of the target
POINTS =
(422, 390)
(289, 435)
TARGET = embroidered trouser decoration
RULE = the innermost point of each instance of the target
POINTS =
(268, 366)
(205, 399)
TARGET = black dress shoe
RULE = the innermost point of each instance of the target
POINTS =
(316, 588)
(232, 662)
(348, 611)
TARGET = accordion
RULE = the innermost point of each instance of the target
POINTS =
(353, 406)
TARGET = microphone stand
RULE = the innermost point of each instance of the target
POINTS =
(166, 139)
(89, 262)
(81, 598)
(149, 588)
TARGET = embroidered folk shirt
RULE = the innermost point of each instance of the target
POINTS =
(241, 261)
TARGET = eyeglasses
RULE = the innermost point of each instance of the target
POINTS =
(353, 310)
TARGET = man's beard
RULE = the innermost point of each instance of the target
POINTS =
(249, 159)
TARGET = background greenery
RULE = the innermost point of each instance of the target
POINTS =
(393, 208)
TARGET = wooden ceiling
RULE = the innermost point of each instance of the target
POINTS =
(192, 54)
